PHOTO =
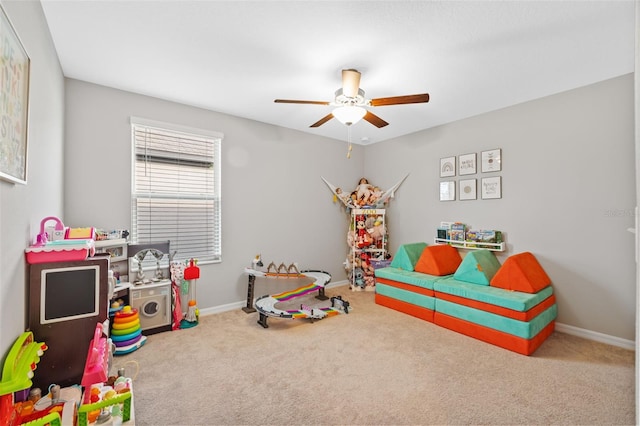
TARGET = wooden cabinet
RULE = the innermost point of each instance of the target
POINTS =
(66, 301)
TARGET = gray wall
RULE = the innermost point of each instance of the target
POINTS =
(568, 194)
(22, 207)
(273, 199)
(568, 189)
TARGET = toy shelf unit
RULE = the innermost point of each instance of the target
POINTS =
(458, 235)
(368, 243)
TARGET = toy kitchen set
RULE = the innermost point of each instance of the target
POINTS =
(142, 281)
(79, 277)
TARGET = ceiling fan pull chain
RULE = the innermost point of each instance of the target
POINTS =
(349, 147)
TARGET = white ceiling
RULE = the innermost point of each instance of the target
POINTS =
(236, 57)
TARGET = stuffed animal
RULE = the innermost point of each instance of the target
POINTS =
(351, 237)
(376, 195)
(358, 277)
(363, 239)
(369, 281)
(375, 228)
(367, 267)
(363, 192)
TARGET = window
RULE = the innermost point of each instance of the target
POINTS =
(176, 189)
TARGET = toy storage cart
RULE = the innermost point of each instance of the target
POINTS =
(127, 408)
(95, 375)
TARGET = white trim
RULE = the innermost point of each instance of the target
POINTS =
(595, 336)
(222, 308)
(175, 127)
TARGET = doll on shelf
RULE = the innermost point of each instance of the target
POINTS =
(342, 196)
(363, 192)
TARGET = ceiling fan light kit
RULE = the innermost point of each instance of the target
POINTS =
(348, 114)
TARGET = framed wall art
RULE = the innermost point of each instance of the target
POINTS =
(491, 160)
(447, 166)
(491, 188)
(447, 190)
(468, 189)
(14, 92)
(467, 164)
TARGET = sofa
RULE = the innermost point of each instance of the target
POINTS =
(510, 305)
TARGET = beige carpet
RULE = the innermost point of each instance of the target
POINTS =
(374, 366)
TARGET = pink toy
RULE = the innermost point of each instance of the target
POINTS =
(95, 369)
(57, 233)
(56, 248)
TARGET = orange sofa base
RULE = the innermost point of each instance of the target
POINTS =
(499, 310)
(494, 337)
(408, 287)
(404, 307)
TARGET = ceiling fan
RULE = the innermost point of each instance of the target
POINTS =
(350, 102)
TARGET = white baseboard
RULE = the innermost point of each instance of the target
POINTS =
(595, 336)
(562, 328)
(222, 308)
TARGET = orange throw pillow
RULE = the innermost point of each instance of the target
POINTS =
(439, 260)
(521, 272)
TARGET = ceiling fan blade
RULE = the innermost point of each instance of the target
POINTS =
(399, 100)
(374, 119)
(350, 83)
(293, 101)
(322, 120)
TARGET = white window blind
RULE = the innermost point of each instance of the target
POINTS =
(176, 189)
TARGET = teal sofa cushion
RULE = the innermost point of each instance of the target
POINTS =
(515, 300)
(478, 267)
(408, 277)
(406, 296)
(407, 256)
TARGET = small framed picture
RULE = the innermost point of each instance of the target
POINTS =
(467, 164)
(491, 160)
(447, 190)
(468, 189)
(491, 188)
(447, 166)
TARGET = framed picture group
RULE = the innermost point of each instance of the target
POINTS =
(468, 188)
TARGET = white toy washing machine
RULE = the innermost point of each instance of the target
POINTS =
(153, 302)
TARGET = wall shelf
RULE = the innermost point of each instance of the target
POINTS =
(471, 245)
